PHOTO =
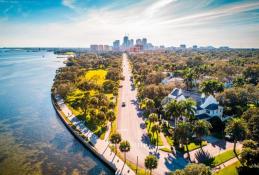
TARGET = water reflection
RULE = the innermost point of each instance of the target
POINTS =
(33, 140)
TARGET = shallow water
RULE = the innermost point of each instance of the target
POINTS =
(33, 140)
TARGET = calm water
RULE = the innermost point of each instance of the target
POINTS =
(33, 140)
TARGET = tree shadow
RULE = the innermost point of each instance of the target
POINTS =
(174, 163)
(204, 157)
(221, 143)
(145, 139)
(143, 125)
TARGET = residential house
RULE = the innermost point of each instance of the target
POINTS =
(206, 106)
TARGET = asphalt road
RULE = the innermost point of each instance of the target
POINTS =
(132, 128)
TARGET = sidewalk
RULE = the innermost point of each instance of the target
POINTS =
(225, 164)
(101, 146)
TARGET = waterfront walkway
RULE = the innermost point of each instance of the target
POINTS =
(100, 146)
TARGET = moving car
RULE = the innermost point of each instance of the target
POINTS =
(123, 104)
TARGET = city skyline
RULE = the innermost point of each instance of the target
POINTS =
(166, 22)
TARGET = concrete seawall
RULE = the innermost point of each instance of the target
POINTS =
(103, 155)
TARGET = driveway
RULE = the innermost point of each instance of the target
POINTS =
(215, 147)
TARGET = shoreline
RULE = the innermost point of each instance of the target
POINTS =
(99, 154)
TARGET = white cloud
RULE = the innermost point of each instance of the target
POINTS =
(167, 22)
(69, 3)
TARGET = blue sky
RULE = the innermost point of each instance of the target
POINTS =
(78, 23)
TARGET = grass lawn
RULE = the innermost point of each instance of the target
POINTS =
(223, 157)
(168, 150)
(153, 137)
(97, 76)
(192, 146)
(229, 170)
(169, 141)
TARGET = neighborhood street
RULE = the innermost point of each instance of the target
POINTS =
(131, 126)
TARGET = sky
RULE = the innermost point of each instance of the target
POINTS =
(79, 23)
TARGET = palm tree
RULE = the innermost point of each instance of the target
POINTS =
(94, 101)
(183, 133)
(201, 129)
(188, 107)
(111, 116)
(151, 163)
(236, 128)
(189, 77)
(153, 117)
(148, 105)
(115, 139)
(125, 147)
(211, 86)
(156, 129)
(172, 109)
(85, 102)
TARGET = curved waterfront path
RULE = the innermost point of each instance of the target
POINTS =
(100, 147)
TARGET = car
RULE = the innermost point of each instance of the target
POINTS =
(123, 104)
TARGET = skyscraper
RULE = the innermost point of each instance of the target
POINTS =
(131, 43)
(144, 43)
(138, 42)
(116, 45)
(125, 41)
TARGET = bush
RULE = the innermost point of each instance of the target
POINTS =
(244, 170)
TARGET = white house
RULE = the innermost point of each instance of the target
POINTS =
(206, 106)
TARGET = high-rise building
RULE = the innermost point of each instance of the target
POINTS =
(125, 41)
(144, 43)
(138, 42)
(94, 47)
(131, 43)
(183, 46)
(116, 45)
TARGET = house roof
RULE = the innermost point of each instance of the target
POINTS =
(202, 101)
(209, 100)
(212, 107)
(203, 116)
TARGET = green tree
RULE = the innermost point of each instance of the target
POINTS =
(125, 147)
(194, 169)
(100, 117)
(251, 74)
(251, 116)
(173, 110)
(151, 163)
(148, 105)
(201, 129)
(153, 117)
(111, 116)
(250, 157)
(189, 78)
(249, 144)
(211, 86)
(156, 129)
(183, 134)
(236, 128)
(188, 108)
(115, 139)
(239, 81)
